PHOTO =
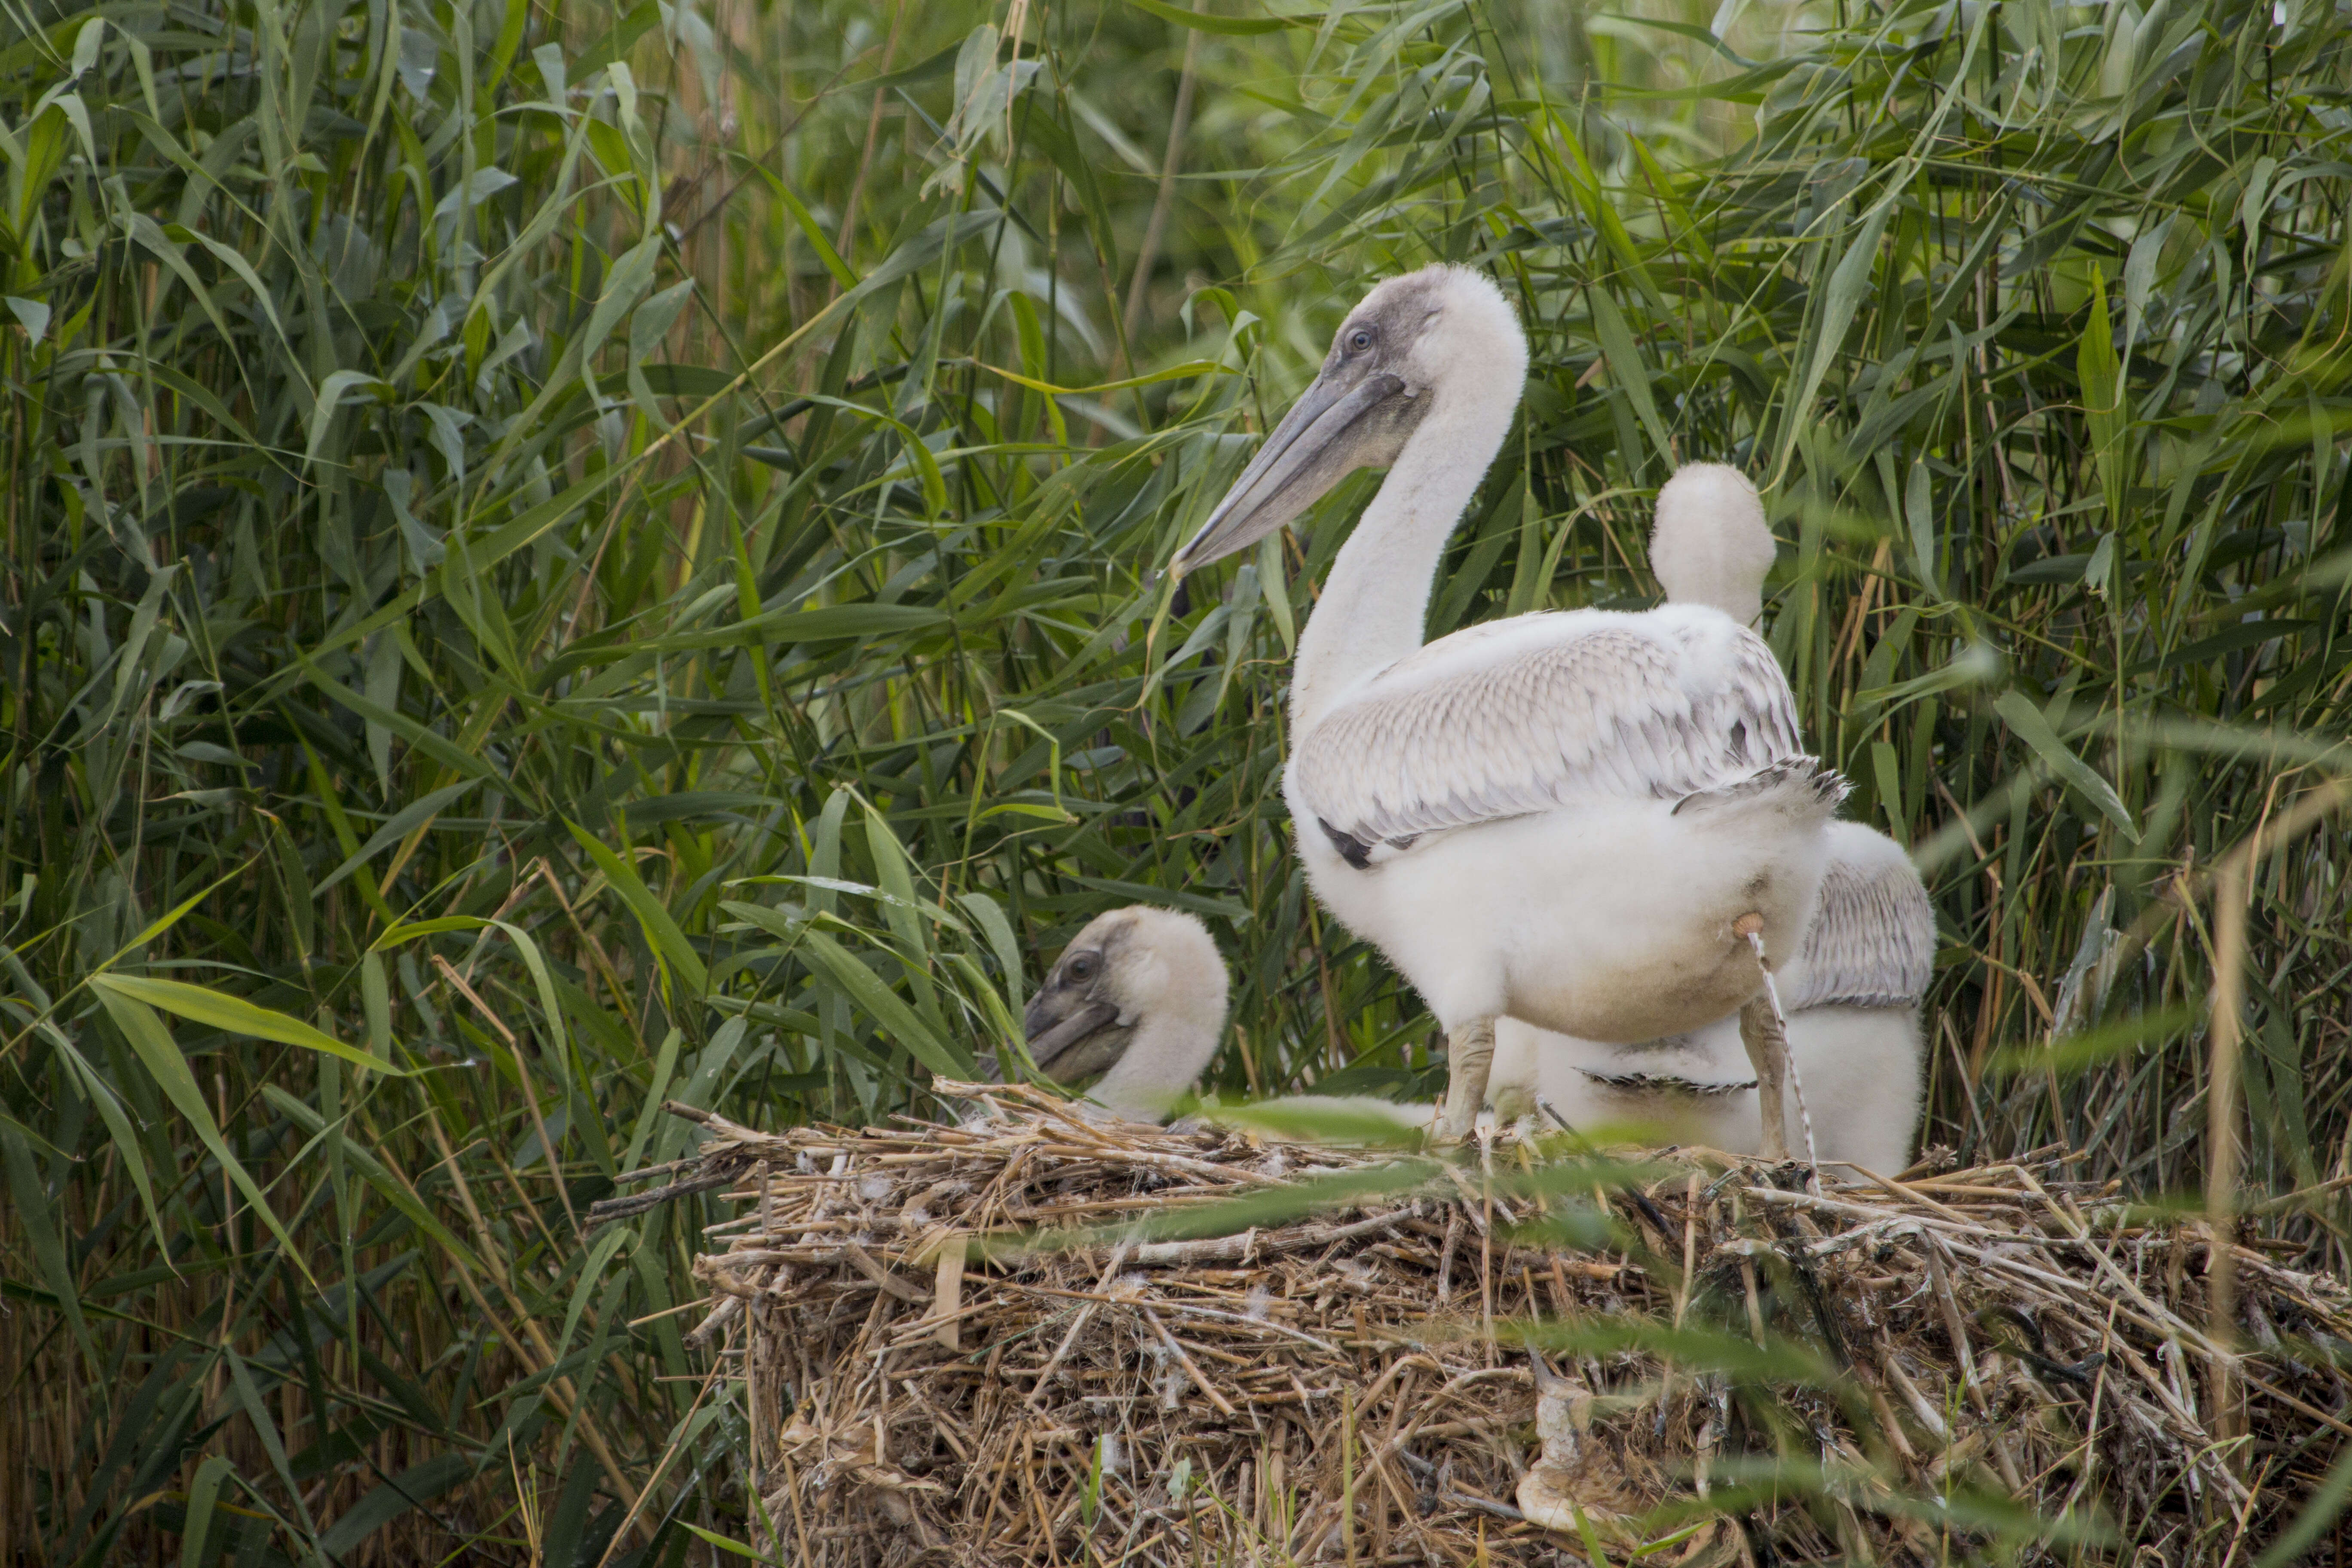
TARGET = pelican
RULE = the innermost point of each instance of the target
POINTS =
(1139, 996)
(1576, 1483)
(1600, 823)
(1853, 993)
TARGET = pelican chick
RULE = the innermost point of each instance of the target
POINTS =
(1595, 821)
(1139, 996)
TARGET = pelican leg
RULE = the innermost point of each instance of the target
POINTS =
(1469, 1055)
(1761, 1031)
(1764, 1030)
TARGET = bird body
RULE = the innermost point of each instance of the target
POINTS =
(1557, 918)
(1852, 992)
(1584, 820)
(1853, 989)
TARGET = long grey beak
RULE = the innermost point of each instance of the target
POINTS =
(1049, 1039)
(1330, 432)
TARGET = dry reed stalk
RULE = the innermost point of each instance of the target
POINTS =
(2231, 890)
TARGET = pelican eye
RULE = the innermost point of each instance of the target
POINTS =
(1083, 965)
(1360, 338)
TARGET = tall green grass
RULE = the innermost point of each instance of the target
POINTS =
(560, 559)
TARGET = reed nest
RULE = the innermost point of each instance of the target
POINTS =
(1035, 1339)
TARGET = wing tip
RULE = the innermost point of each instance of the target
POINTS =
(1352, 849)
(1794, 780)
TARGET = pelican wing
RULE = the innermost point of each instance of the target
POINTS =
(1524, 715)
(1872, 943)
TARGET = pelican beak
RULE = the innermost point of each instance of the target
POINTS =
(1347, 420)
(1071, 1037)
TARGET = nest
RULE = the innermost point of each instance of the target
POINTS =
(1010, 1342)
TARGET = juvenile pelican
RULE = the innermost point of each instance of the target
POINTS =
(1583, 819)
(1137, 996)
(1140, 998)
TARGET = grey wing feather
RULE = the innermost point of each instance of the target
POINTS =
(1872, 943)
(1605, 711)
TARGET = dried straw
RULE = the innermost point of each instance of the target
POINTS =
(956, 1345)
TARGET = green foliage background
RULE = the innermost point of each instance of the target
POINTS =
(560, 558)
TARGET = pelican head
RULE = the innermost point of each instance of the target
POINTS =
(1416, 346)
(1139, 996)
(1712, 545)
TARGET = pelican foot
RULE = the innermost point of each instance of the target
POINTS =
(1576, 1483)
(1469, 1057)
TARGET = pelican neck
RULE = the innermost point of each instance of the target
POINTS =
(1374, 606)
(1168, 1052)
